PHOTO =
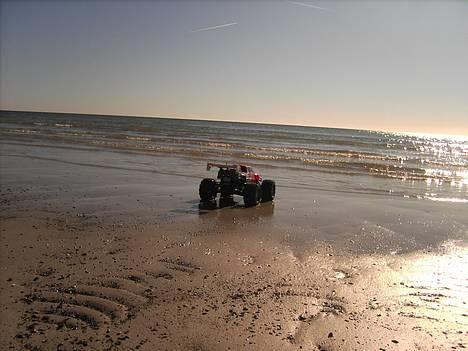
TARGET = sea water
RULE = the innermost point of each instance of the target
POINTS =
(426, 167)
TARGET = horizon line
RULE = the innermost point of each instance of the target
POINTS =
(248, 122)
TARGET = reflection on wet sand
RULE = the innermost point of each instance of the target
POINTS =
(262, 210)
(172, 285)
(434, 287)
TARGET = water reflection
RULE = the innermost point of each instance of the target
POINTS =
(224, 201)
(265, 209)
(434, 287)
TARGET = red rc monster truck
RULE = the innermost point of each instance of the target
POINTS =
(237, 180)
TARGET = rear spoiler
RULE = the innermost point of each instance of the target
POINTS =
(220, 165)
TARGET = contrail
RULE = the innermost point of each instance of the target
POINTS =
(215, 27)
(308, 5)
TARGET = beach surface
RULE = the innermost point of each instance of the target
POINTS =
(98, 255)
(330, 274)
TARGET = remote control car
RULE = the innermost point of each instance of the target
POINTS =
(237, 180)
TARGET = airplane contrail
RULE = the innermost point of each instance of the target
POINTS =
(214, 27)
(307, 5)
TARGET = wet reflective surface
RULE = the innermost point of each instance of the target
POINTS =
(435, 287)
(426, 167)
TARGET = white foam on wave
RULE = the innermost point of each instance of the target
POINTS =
(447, 199)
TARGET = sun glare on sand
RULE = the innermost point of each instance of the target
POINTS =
(438, 283)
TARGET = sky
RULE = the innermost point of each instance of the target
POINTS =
(383, 65)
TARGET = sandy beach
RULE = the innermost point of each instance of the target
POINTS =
(233, 175)
(93, 261)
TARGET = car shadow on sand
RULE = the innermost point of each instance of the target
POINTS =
(223, 202)
(264, 209)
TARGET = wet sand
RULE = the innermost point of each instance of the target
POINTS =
(71, 283)
(95, 259)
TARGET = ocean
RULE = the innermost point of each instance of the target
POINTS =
(425, 167)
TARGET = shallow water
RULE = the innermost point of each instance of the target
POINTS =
(93, 175)
(323, 159)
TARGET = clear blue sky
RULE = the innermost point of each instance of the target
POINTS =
(386, 65)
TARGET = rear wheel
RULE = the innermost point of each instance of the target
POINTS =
(252, 195)
(207, 189)
(268, 190)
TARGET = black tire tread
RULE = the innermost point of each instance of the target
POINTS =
(252, 195)
(207, 189)
(268, 190)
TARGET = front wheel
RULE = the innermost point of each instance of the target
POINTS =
(252, 195)
(207, 189)
(268, 190)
